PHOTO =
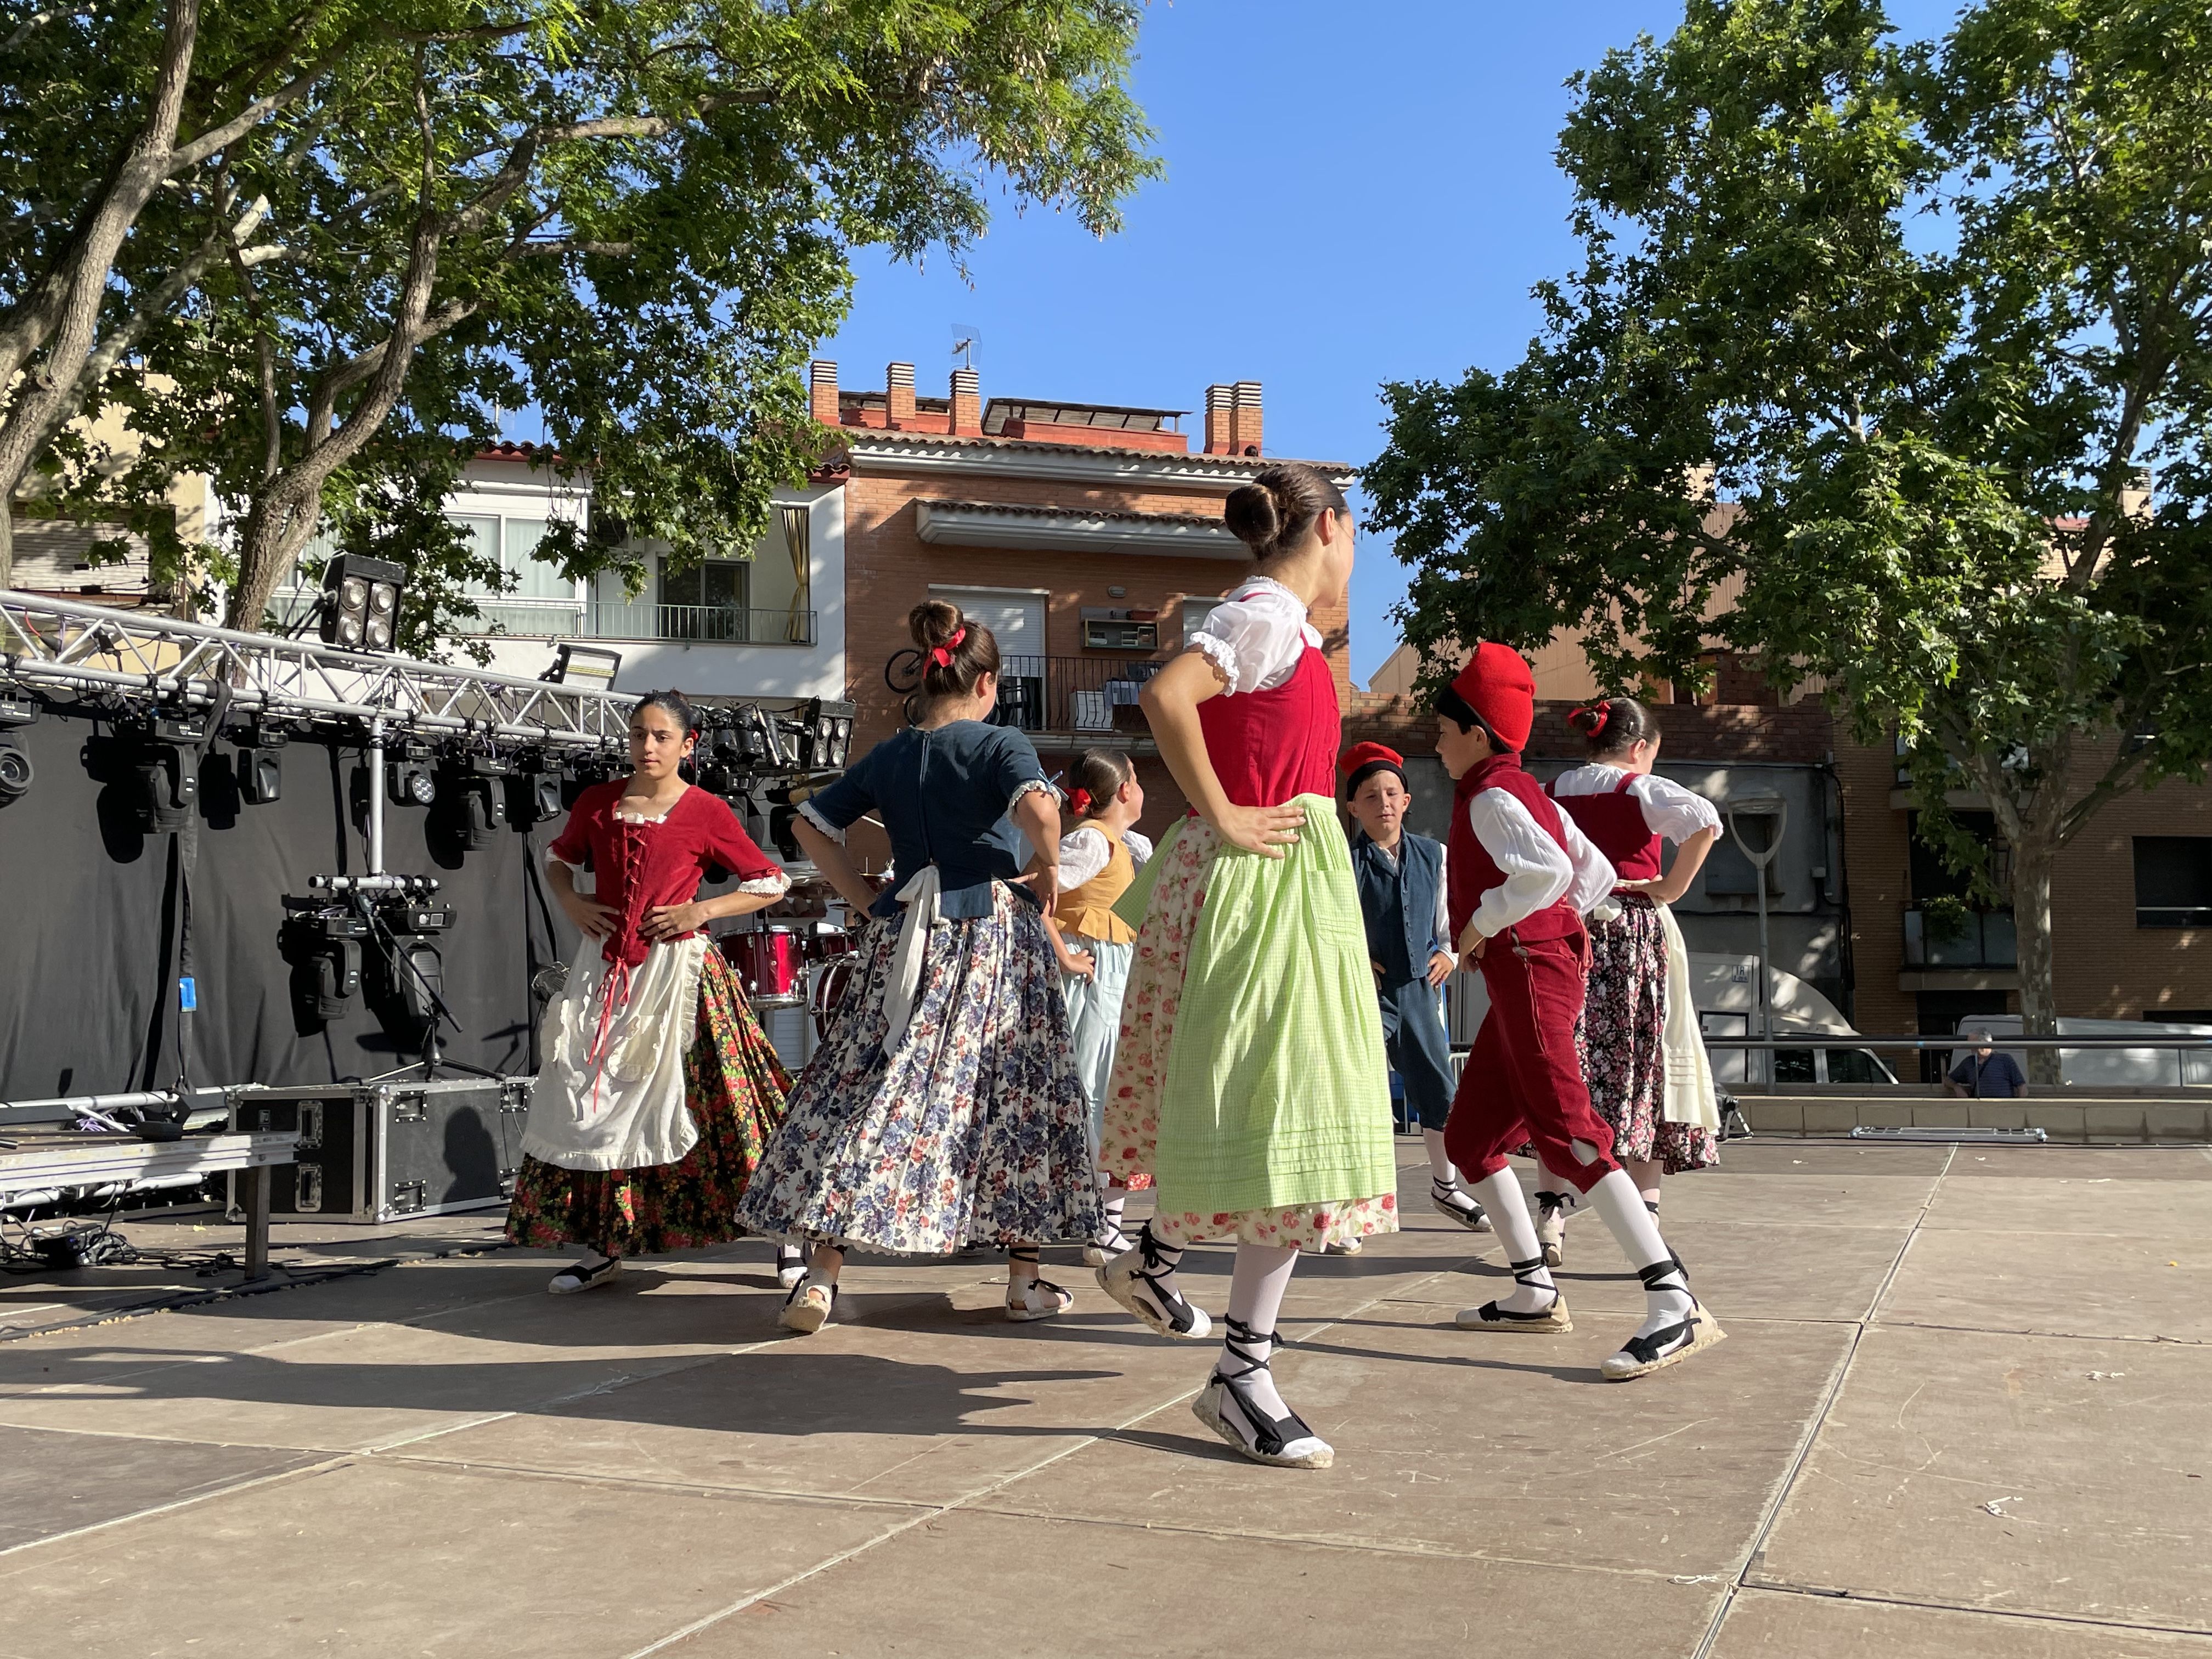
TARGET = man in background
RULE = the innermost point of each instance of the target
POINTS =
(1986, 1074)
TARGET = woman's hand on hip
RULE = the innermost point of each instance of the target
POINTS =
(1441, 965)
(672, 921)
(1263, 829)
(592, 918)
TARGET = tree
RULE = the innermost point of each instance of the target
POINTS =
(115, 115)
(638, 218)
(1888, 335)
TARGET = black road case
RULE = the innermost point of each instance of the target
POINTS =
(377, 1152)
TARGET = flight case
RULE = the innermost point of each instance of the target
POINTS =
(377, 1151)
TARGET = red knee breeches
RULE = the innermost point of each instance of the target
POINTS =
(1523, 1083)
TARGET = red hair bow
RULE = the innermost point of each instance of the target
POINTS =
(1602, 710)
(1079, 800)
(942, 655)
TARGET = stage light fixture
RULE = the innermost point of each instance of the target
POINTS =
(361, 602)
(409, 780)
(584, 665)
(323, 942)
(827, 742)
(471, 799)
(533, 793)
(166, 774)
(16, 773)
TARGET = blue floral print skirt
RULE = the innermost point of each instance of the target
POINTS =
(974, 1130)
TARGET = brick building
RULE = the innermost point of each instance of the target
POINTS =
(1088, 536)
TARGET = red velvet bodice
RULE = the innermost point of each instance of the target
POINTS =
(1269, 746)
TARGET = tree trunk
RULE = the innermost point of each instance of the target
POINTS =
(7, 540)
(63, 315)
(276, 528)
(2031, 859)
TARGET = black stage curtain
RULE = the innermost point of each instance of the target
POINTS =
(94, 916)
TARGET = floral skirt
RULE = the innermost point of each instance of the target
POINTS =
(1330, 1034)
(972, 1130)
(733, 1087)
(1621, 1039)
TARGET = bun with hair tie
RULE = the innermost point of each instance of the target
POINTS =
(942, 654)
(1592, 720)
(1078, 801)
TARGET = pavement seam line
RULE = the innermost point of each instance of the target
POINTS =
(1788, 1484)
(2026, 1615)
(321, 1468)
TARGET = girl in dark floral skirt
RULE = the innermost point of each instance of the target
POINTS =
(658, 1089)
(942, 1109)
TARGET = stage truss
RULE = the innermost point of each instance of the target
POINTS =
(61, 644)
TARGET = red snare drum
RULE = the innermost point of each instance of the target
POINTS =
(768, 962)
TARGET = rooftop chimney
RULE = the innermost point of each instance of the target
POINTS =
(1244, 420)
(822, 390)
(1220, 400)
(898, 385)
(967, 420)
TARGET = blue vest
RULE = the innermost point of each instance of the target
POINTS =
(1400, 905)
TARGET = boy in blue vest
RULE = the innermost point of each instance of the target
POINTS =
(1401, 895)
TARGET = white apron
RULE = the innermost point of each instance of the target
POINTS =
(610, 1093)
(1689, 1096)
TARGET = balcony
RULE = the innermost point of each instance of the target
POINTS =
(711, 624)
(566, 619)
(1078, 695)
(1956, 938)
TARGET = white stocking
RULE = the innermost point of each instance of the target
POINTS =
(1110, 1199)
(1637, 1232)
(1500, 1194)
(1440, 1163)
(1262, 1274)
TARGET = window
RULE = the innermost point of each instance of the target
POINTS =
(1793, 1066)
(512, 544)
(1854, 1066)
(1119, 633)
(1728, 873)
(2174, 881)
(719, 583)
(1194, 612)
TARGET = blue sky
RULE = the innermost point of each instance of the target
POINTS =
(1353, 193)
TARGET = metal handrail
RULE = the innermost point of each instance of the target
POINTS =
(1997, 1040)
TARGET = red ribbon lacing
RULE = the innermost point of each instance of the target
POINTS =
(942, 655)
(614, 989)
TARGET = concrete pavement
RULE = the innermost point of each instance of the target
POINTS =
(1962, 1412)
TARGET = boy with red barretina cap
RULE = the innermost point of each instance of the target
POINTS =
(1401, 900)
(1522, 877)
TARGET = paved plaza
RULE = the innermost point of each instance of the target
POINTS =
(1962, 1412)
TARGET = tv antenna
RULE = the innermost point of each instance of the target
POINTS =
(966, 338)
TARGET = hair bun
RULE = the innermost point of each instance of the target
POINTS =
(933, 622)
(1254, 516)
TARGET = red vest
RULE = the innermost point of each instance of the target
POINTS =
(1269, 746)
(1615, 823)
(1470, 872)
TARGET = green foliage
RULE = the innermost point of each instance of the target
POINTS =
(637, 218)
(1867, 350)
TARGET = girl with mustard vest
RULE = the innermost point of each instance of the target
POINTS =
(1098, 860)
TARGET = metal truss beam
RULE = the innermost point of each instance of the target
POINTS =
(66, 646)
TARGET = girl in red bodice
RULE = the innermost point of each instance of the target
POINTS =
(658, 1089)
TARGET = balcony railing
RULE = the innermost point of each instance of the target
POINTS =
(1073, 693)
(1979, 938)
(714, 624)
(563, 619)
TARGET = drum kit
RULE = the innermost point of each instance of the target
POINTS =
(793, 963)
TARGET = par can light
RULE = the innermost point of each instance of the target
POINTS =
(361, 602)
